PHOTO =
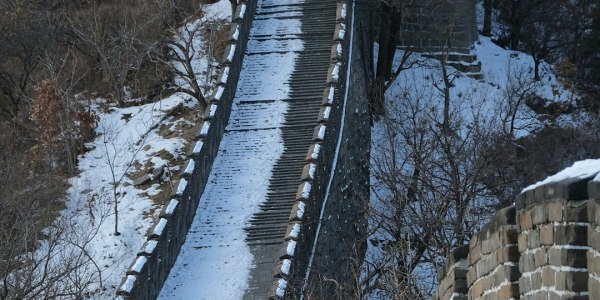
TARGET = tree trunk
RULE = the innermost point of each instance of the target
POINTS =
(536, 73)
(234, 5)
(487, 18)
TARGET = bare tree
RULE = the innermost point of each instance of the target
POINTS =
(40, 257)
(183, 50)
(429, 194)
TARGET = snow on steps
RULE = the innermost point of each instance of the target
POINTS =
(315, 173)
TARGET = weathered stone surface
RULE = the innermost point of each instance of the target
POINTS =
(570, 235)
(508, 254)
(536, 280)
(524, 284)
(540, 257)
(594, 190)
(539, 215)
(508, 291)
(576, 211)
(525, 220)
(594, 288)
(555, 211)
(547, 234)
(533, 239)
(526, 262)
(548, 276)
(575, 258)
(522, 242)
(572, 281)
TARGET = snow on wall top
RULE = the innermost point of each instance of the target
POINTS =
(579, 170)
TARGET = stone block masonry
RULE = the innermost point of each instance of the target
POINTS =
(546, 246)
(430, 26)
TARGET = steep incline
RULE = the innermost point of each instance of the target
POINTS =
(233, 243)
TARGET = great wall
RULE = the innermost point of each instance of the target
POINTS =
(325, 133)
(544, 247)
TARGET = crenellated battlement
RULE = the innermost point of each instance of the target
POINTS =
(545, 246)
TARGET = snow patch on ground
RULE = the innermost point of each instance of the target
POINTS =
(126, 139)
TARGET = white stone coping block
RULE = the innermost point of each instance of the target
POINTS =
(281, 286)
(138, 265)
(171, 207)
(293, 231)
(148, 248)
(159, 228)
(304, 191)
(319, 133)
(218, 93)
(314, 151)
(189, 169)
(128, 284)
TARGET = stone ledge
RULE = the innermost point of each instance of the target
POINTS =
(568, 189)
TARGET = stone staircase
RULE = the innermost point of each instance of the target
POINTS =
(274, 113)
(267, 229)
(463, 61)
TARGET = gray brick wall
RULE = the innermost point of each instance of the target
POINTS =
(546, 246)
(431, 26)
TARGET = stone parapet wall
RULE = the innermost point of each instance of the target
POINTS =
(149, 270)
(593, 254)
(433, 26)
(553, 244)
(546, 246)
(493, 259)
(453, 277)
(344, 111)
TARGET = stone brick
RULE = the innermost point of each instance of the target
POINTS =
(538, 214)
(595, 211)
(506, 273)
(524, 284)
(476, 289)
(533, 239)
(593, 262)
(508, 291)
(576, 211)
(575, 258)
(555, 211)
(594, 190)
(509, 235)
(548, 276)
(522, 242)
(474, 254)
(594, 237)
(494, 239)
(471, 275)
(486, 246)
(536, 280)
(506, 254)
(460, 286)
(547, 234)
(525, 220)
(594, 288)
(483, 267)
(488, 283)
(526, 262)
(571, 281)
(540, 257)
(570, 235)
